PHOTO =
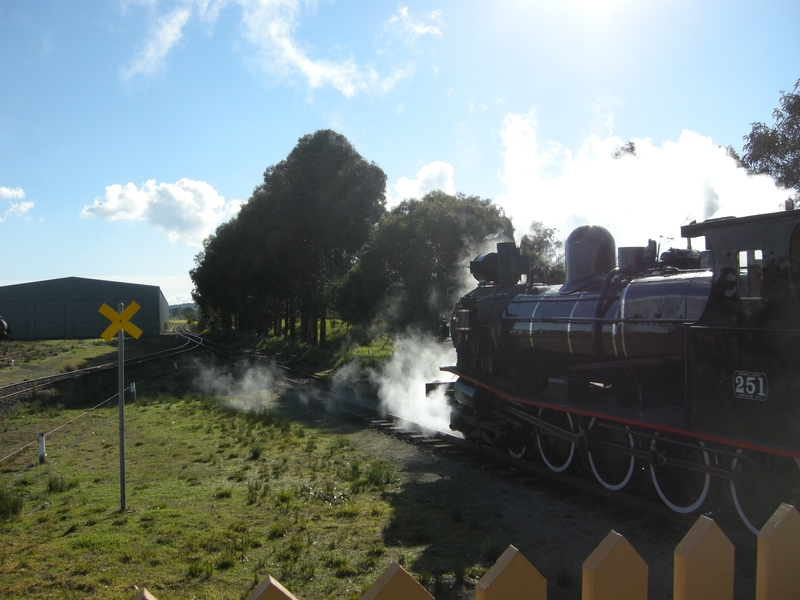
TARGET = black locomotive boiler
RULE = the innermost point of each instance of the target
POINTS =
(676, 373)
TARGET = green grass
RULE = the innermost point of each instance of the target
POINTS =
(344, 345)
(216, 501)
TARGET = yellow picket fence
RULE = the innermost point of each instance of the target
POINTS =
(615, 571)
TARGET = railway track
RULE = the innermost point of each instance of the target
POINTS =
(10, 393)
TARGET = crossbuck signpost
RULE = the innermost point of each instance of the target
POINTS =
(120, 323)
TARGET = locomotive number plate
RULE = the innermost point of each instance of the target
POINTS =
(750, 385)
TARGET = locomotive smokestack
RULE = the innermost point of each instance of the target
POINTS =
(503, 267)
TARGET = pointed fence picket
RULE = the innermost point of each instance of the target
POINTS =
(703, 564)
(703, 570)
(512, 578)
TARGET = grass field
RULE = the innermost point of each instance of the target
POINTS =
(216, 499)
(20, 360)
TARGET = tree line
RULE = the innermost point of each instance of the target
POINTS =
(315, 240)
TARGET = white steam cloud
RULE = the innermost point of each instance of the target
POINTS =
(246, 388)
(187, 211)
(649, 194)
(401, 381)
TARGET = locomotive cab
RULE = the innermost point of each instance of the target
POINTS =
(743, 353)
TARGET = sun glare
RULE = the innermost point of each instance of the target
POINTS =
(598, 9)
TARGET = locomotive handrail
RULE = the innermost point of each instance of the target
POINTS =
(590, 320)
(782, 330)
(629, 362)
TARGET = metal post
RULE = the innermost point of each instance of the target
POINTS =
(42, 453)
(121, 415)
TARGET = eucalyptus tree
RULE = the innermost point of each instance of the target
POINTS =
(296, 236)
(546, 252)
(416, 262)
(775, 150)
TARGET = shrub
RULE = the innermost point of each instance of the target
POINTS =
(382, 474)
(491, 550)
(58, 484)
(10, 504)
(256, 449)
(200, 569)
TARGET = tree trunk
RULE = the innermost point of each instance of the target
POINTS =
(323, 325)
(313, 328)
(286, 319)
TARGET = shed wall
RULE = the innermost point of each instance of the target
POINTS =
(68, 308)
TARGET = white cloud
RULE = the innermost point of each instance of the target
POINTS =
(408, 28)
(167, 32)
(649, 195)
(270, 26)
(17, 192)
(209, 9)
(17, 209)
(437, 175)
(186, 211)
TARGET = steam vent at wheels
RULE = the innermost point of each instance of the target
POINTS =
(67, 308)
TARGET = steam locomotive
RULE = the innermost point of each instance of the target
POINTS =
(676, 374)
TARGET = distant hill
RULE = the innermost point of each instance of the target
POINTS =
(184, 305)
(183, 311)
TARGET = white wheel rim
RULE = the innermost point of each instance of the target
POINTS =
(568, 462)
(694, 506)
(519, 454)
(600, 480)
(736, 503)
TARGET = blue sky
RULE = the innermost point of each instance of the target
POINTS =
(130, 129)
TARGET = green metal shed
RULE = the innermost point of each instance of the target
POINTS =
(67, 308)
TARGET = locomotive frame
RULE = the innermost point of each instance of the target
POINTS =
(681, 368)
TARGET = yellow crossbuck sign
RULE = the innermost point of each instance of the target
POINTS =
(120, 321)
